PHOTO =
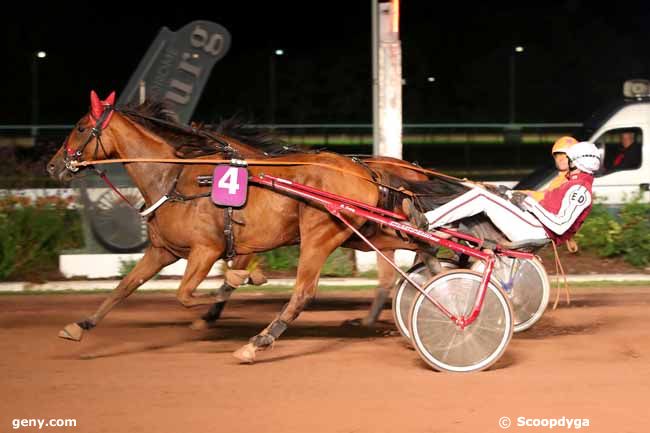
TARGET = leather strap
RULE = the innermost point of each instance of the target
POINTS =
(228, 233)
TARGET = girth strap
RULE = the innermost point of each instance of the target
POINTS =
(228, 233)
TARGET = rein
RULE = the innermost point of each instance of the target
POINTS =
(263, 162)
(253, 162)
(423, 170)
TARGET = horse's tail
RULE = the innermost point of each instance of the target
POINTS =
(427, 194)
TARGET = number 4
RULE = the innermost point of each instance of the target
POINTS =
(229, 181)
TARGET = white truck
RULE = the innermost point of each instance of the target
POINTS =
(621, 178)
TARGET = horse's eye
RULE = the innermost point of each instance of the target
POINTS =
(81, 128)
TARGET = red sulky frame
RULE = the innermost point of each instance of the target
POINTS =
(337, 205)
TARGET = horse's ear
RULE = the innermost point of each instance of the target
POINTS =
(111, 99)
(96, 107)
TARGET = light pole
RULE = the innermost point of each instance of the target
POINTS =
(513, 83)
(272, 84)
(35, 57)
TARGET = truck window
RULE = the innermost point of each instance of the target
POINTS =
(621, 149)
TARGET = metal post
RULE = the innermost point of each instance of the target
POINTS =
(387, 80)
(375, 79)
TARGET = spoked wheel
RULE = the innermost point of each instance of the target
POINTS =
(405, 293)
(444, 345)
(526, 284)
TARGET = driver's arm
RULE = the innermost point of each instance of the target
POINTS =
(575, 200)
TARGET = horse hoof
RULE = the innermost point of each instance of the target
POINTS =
(200, 325)
(245, 354)
(72, 332)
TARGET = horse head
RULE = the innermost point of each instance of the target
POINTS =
(88, 140)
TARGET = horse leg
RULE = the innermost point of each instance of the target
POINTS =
(199, 263)
(150, 264)
(386, 275)
(236, 275)
(314, 250)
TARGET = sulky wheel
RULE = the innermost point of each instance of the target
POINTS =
(526, 284)
(442, 343)
(405, 293)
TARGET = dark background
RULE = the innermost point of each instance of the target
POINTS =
(576, 57)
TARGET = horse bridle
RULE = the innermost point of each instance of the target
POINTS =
(72, 157)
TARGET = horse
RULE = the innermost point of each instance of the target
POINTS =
(194, 229)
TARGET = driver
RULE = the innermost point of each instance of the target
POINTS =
(520, 217)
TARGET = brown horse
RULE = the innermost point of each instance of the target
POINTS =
(194, 229)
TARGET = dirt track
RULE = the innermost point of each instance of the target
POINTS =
(144, 370)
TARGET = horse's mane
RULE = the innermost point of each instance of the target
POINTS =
(189, 144)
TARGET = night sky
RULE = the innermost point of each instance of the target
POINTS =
(575, 60)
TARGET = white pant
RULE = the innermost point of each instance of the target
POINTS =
(515, 224)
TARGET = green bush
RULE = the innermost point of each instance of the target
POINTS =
(599, 232)
(633, 241)
(281, 259)
(340, 263)
(32, 234)
(627, 235)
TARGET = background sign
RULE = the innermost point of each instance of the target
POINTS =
(176, 67)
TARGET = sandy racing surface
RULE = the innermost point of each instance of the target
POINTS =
(144, 370)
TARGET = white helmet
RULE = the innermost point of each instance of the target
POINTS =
(585, 156)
